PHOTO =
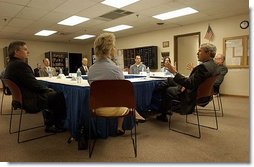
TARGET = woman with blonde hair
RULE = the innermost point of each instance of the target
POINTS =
(105, 68)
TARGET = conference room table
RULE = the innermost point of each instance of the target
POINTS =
(77, 102)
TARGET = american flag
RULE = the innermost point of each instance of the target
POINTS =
(209, 34)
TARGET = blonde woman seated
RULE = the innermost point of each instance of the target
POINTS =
(105, 68)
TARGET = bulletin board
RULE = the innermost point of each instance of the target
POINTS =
(236, 51)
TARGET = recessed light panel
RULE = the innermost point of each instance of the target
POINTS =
(73, 20)
(118, 28)
(86, 36)
(118, 3)
(175, 13)
(45, 33)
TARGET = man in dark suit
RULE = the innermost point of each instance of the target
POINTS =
(84, 68)
(36, 96)
(184, 88)
(37, 70)
(219, 59)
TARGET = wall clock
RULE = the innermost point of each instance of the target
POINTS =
(244, 24)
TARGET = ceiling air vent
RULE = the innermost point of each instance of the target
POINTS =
(114, 15)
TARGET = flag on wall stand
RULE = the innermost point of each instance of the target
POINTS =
(209, 34)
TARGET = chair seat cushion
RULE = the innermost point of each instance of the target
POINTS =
(111, 111)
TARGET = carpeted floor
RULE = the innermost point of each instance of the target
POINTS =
(156, 144)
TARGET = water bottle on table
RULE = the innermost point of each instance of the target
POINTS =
(79, 76)
(148, 72)
(50, 73)
(60, 71)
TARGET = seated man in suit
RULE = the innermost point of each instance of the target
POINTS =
(47, 71)
(84, 68)
(219, 60)
(223, 70)
(138, 66)
(184, 88)
(36, 96)
(37, 70)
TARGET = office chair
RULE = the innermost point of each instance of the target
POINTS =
(6, 92)
(204, 91)
(17, 103)
(219, 102)
(216, 94)
(115, 96)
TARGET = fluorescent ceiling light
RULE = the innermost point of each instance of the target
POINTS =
(45, 33)
(118, 3)
(73, 20)
(86, 36)
(118, 28)
(175, 13)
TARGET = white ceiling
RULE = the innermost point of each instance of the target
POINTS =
(21, 19)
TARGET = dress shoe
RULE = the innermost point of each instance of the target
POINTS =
(162, 118)
(53, 129)
(140, 121)
(50, 129)
(169, 112)
(120, 132)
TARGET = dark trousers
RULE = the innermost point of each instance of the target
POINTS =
(169, 91)
(170, 94)
(55, 114)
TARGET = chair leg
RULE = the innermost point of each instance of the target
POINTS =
(215, 117)
(220, 107)
(91, 143)
(185, 133)
(22, 130)
(220, 101)
(134, 140)
(10, 124)
(2, 103)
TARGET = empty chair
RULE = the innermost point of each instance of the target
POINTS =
(203, 97)
(112, 96)
(17, 103)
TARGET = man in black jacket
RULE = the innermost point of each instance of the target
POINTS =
(84, 68)
(184, 88)
(219, 59)
(36, 96)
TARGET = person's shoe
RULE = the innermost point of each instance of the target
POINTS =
(140, 121)
(50, 129)
(169, 112)
(120, 132)
(162, 118)
(60, 130)
(54, 129)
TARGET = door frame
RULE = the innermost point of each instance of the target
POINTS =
(176, 37)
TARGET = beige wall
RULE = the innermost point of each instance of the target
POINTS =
(222, 28)
(228, 27)
(37, 50)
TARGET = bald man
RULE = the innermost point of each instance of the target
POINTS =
(219, 60)
(84, 68)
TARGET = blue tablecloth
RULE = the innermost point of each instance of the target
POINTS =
(78, 108)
